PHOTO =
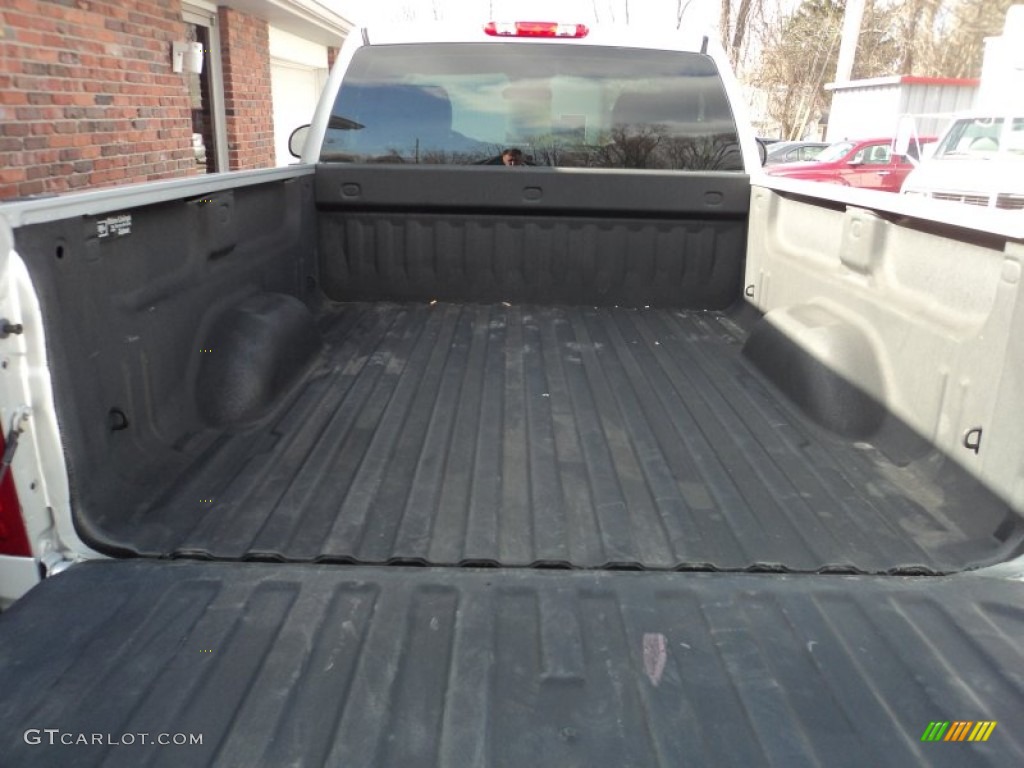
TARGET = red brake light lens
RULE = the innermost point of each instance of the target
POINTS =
(13, 539)
(535, 29)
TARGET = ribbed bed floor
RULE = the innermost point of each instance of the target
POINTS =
(319, 665)
(508, 435)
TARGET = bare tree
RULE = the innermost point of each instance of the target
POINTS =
(725, 22)
(954, 44)
(917, 16)
(740, 30)
(681, 7)
(799, 57)
(610, 8)
(919, 37)
(410, 12)
(740, 22)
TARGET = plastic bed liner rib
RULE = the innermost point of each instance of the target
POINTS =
(310, 665)
(583, 437)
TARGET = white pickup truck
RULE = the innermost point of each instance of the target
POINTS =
(978, 161)
(625, 454)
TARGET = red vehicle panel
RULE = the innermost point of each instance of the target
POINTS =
(13, 539)
(867, 163)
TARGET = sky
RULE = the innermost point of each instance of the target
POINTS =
(701, 14)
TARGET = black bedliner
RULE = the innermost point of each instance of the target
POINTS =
(537, 435)
(310, 665)
(440, 368)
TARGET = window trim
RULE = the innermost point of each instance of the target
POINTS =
(203, 17)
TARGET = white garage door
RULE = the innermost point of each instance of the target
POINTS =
(295, 89)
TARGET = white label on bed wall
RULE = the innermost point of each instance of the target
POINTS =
(115, 226)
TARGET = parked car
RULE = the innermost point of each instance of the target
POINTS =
(979, 161)
(794, 152)
(868, 163)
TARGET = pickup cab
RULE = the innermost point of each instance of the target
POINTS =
(866, 163)
(627, 455)
(979, 161)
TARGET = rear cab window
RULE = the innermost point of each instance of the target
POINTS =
(560, 106)
(971, 137)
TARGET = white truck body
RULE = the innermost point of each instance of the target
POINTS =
(978, 161)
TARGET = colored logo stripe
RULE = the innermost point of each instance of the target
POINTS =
(982, 731)
(935, 730)
(958, 730)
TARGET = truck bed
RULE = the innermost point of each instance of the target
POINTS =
(518, 383)
(545, 466)
(368, 365)
(553, 436)
(320, 665)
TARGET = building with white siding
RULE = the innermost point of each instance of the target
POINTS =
(869, 108)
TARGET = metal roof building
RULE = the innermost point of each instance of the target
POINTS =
(867, 108)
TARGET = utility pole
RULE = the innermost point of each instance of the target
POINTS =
(851, 33)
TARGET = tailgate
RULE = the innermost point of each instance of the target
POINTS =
(272, 665)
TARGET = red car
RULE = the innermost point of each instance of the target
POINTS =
(867, 163)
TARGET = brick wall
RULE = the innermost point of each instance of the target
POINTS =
(248, 104)
(87, 96)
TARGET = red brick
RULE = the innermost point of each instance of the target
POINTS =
(42, 157)
(25, 6)
(11, 175)
(247, 96)
(27, 188)
(13, 97)
(68, 99)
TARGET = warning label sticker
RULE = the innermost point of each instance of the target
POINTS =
(114, 226)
